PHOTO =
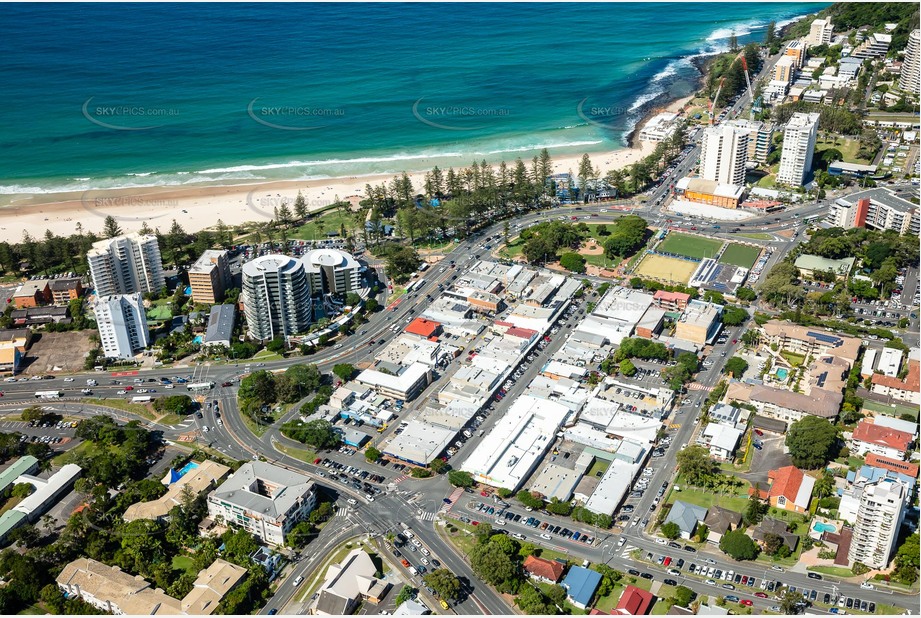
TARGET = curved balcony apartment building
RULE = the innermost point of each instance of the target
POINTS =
(276, 297)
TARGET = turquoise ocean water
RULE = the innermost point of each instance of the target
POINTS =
(120, 95)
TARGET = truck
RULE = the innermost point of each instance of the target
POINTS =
(142, 399)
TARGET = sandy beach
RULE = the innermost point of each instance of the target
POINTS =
(198, 208)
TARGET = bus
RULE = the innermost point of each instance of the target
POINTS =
(200, 386)
(423, 267)
(49, 394)
(414, 285)
(812, 218)
(142, 399)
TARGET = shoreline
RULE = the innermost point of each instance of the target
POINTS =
(201, 207)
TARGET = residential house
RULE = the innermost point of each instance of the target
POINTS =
(580, 584)
(791, 489)
(769, 525)
(634, 602)
(687, 516)
(349, 583)
(721, 439)
(541, 569)
(719, 521)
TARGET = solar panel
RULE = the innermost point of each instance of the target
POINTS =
(825, 338)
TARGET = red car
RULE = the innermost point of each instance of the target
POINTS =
(129, 388)
(761, 595)
(735, 341)
(759, 432)
(746, 602)
(317, 460)
(475, 523)
(667, 561)
(484, 494)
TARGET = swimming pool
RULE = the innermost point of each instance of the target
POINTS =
(781, 373)
(189, 466)
(823, 527)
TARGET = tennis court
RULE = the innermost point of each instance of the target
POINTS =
(667, 269)
(740, 255)
(690, 246)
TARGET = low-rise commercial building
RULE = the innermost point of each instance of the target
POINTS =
(810, 265)
(516, 444)
(809, 341)
(31, 294)
(221, 321)
(398, 382)
(710, 192)
(699, 323)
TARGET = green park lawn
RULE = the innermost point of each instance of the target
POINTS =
(689, 246)
(183, 563)
(740, 255)
(317, 229)
(847, 147)
(298, 453)
(832, 570)
(736, 502)
(767, 182)
(793, 358)
(757, 236)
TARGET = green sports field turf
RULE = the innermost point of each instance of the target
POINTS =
(690, 246)
(740, 255)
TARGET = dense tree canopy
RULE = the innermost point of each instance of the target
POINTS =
(739, 545)
(811, 442)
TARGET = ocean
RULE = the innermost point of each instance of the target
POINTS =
(133, 95)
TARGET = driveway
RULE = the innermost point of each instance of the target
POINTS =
(770, 457)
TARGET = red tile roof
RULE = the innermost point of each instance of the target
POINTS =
(522, 333)
(634, 601)
(423, 328)
(911, 383)
(785, 482)
(541, 567)
(867, 431)
(671, 296)
(895, 465)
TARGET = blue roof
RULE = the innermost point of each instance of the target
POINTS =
(874, 474)
(581, 584)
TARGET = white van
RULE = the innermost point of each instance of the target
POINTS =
(413, 570)
(298, 580)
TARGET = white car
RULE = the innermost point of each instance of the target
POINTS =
(867, 586)
(661, 542)
(68, 379)
(122, 393)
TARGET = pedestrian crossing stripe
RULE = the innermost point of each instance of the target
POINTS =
(426, 516)
(675, 426)
(342, 511)
(399, 479)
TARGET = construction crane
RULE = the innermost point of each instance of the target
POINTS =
(751, 96)
(715, 99)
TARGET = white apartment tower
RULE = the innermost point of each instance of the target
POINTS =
(724, 151)
(798, 148)
(122, 324)
(332, 271)
(879, 517)
(910, 78)
(126, 264)
(820, 32)
(276, 297)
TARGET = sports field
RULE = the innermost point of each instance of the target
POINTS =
(740, 255)
(665, 268)
(690, 246)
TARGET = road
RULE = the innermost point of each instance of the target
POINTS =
(233, 438)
